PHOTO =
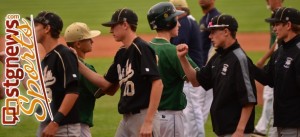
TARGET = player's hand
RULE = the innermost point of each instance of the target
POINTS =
(74, 51)
(50, 130)
(238, 133)
(182, 50)
(146, 130)
(260, 63)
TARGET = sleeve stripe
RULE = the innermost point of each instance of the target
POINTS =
(298, 45)
(245, 70)
(137, 48)
(63, 67)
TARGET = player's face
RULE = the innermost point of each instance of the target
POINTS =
(281, 30)
(118, 31)
(217, 37)
(40, 32)
(205, 4)
(174, 31)
(274, 4)
(86, 45)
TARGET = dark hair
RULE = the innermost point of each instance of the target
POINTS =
(133, 27)
(54, 33)
(295, 28)
(70, 44)
(233, 34)
(186, 10)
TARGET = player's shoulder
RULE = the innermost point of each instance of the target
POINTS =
(140, 42)
(141, 45)
(63, 51)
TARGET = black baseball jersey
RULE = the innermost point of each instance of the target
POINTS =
(228, 73)
(134, 69)
(60, 68)
(283, 73)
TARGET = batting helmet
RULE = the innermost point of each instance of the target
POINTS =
(162, 16)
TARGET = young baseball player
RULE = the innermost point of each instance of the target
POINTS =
(135, 70)
(79, 37)
(163, 17)
(282, 72)
(60, 70)
(228, 73)
(189, 34)
(264, 125)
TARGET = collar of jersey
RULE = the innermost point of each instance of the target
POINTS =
(159, 41)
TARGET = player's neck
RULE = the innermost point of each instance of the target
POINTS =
(49, 44)
(163, 35)
(80, 54)
(129, 39)
(229, 42)
(289, 36)
(205, 11)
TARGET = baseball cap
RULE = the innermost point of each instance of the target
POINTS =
(79, 31)
(49, 18)
(284, 15)
(179, 3)
(122, 15)
(223, 21)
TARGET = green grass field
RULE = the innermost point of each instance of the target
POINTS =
(106, 117)
(249, 13)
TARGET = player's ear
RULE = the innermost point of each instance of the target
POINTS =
(77, 44)
(47, 28)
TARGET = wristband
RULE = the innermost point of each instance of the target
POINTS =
(58, 117)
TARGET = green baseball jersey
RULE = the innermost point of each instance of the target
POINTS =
(172, 75)
(86, 100)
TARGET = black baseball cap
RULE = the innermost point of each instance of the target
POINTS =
(223, 21)
(49, 18)
(122, 15)
(284, 15)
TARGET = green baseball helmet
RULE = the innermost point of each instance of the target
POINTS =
(162, 16)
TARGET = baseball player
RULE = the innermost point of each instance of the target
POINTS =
(282, 72)
(189, 34)
(60, 70)
(265, 123)
(228, 73)
(135, 70)
(163, 17)
(79, 37)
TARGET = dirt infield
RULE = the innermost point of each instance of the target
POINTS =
(105, 46)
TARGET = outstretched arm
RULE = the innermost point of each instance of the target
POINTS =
(156, 91)
(190, 72)
(93, 77)
(262, 60)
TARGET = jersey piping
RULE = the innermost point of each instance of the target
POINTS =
(244, 67)
(63, 64)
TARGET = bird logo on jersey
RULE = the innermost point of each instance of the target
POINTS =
(49, 80)
(224, 69)
(124, 75)
(288, 62)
